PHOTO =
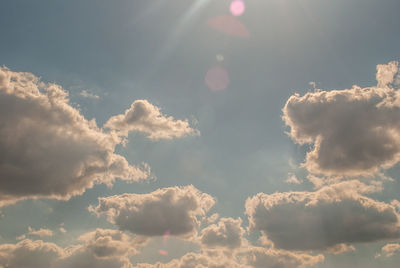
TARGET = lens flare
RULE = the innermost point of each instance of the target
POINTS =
(163, 252)
(217, 78)
(237, 7)
(166, 236)
(229, 25)
(165, 240)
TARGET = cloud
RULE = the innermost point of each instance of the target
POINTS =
(223, 246)
(106, 243)
(28, 253)
(86, 94)
(227, 233)
(292, 179)
(353, 132)
(104, 248)
(144, 117)
(101, 248)
(389, 250)
(340, 248)
(333, 215)
(174, 209)
(41, 232)
(47, 148)
(386, 73)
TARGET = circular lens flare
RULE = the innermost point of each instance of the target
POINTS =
(220, 57)
(237, 7)
(217, 78)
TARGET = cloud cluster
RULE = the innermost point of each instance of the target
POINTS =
(334, 215)
(174, 209)
(223, 246)
(48, 149)
(144, 117)
(353, 132)
(28, 253)
(100, 248)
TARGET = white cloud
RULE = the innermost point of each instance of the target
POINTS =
(353, 132)
(321, 220)
(144, 117)
(174, 209)
(386, 73)
(292, 179)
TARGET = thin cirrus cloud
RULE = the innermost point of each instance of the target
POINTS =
(102, 248)
(329, 219)
(175, 209)
(354, 132)
(48, 149)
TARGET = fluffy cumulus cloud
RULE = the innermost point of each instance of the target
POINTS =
(175, 209)
(48, 149)
(28, 253)
(101, 248)
(144, 117)
(227, 233)
(324, 220)
(353, 132)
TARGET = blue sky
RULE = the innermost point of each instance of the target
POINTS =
(230, 144)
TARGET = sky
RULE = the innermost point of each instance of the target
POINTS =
(202, 133)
